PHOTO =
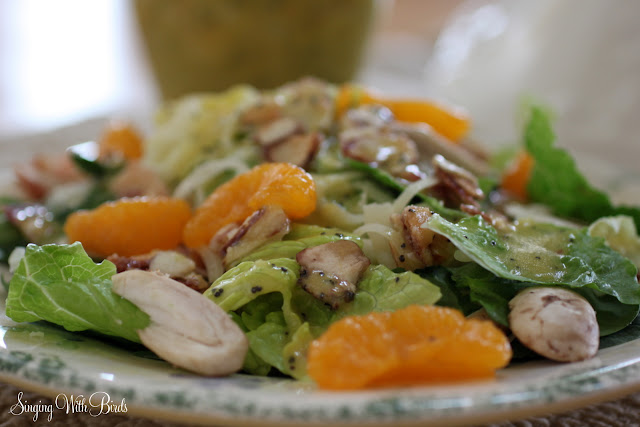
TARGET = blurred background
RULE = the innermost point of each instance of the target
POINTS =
(71, 60)
(75, 61)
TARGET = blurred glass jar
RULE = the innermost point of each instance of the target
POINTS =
(209, 45)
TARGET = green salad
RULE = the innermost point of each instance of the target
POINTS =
(406, 210)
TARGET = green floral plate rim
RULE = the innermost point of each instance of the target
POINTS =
(44, 358)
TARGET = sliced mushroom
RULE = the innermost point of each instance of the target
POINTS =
(429, 247)
(555, 323)
(331, 271)
(187, 329)
(296, 149)
(277, 130)
(265, 225)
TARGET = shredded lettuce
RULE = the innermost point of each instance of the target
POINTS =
(62, 285)
(194, 129)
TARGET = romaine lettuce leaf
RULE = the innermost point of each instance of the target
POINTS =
(452, 296)
(62, 285)
(557, 182)
(300, 237)
(544, 254)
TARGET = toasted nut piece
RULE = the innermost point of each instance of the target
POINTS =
(555, 323)
(393, 152)
(212, 255)
(187, 329)
(331, 271)
(431, 248)
(366, 115)
(194, 281)
(462, 177)
(265, 225)
(296, 149)
(172, 263)
(429, 144)
(261, 113)
(277, 131)
(455, 185)
(309, 101)
(418, 238)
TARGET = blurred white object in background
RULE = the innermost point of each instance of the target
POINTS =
(581, 58)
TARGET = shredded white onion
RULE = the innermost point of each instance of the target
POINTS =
(204, 173)
(376, 247)
(410, 192)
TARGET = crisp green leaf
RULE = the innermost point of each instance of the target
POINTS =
(268, 340)
(494, 294)
(252, 363)
(300, 237)
(544, 254)
(247, 290)
(630, 333)
(491, 292)
(620, 234)
(380, 289)
(452, 296)
(556, 180)
(62, 285)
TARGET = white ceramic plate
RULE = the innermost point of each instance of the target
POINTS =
(49, 360)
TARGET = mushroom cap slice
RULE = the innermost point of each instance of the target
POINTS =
(187, 329)
(555, 322)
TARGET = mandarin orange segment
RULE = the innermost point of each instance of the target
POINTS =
(415, 345)
(448, 122)
(277, 184)
(129, 226)
(122, 140)
(516, 178)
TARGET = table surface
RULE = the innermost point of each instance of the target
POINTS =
(72, 60)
